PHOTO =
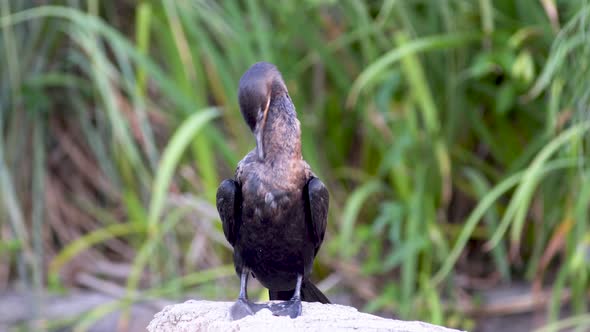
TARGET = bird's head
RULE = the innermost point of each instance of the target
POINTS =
(258, 86)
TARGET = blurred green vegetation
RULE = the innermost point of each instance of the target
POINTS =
(453, 136)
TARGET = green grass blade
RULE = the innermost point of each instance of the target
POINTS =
(532, 176)
(416, 46)
(484, 204)
(351, 211)
(181, 139)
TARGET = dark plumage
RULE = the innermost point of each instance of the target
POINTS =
(274, 212)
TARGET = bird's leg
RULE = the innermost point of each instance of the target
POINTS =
(291, 308)
(243, 307)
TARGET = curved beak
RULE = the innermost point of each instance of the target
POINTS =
(260, 131)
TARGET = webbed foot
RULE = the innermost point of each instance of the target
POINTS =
(243, 308)
(291, 308)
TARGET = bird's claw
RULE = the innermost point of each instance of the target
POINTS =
(243, 308)
(291, 308)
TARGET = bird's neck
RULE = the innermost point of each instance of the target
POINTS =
(282, 133)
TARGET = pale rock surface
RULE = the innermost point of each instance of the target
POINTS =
(211, 316)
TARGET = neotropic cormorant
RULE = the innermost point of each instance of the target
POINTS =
(275, 211)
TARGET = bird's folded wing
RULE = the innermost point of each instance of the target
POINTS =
(317, 202)
(229, 201)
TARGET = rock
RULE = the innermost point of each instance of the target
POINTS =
(213, 316)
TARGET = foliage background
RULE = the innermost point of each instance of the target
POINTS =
(452, 135)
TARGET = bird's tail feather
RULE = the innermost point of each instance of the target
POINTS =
(309, 293)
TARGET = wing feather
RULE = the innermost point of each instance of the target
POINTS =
(229, 202)
(317, 204)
